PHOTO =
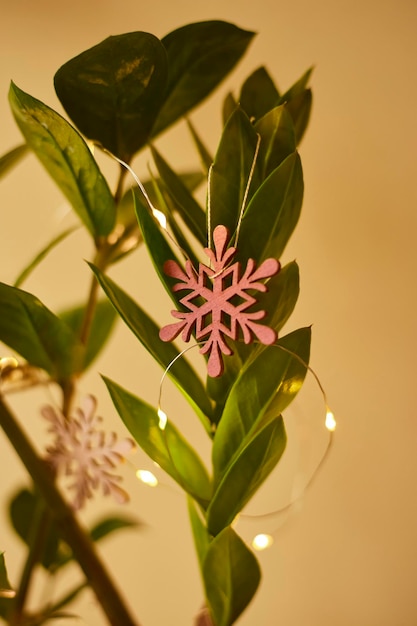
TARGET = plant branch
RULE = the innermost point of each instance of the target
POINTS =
(81, 545)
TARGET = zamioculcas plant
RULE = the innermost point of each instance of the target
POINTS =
(219, 262)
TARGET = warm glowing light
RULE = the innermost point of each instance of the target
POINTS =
(330, 421)
(8, 362)
(262, 542)
(158, 215)
(145, 476)
(7, 593)
(163, 418)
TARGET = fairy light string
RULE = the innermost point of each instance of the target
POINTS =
(262, 540)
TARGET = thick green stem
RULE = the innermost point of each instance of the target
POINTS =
(79, 541)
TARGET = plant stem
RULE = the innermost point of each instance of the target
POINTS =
(80, 543)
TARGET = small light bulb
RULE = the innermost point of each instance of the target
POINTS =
(158, 215)
(8, 362)
(330, 421)
(145, 476)
(262, 542)
(163, 418)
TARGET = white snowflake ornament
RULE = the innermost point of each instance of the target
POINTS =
(218, 300)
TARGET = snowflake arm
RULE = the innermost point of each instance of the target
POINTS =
(217, 301)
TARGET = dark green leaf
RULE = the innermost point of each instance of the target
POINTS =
(272, 213)
(114, 90)
(184, 202)
(42, 254)
(276, 130)
(44, 340)
(101, 328)
(298, 101)
(280, 299)
(164, 353)
(231, 577)
(274, 377)
(229, 106)
(205, 156)
(11, 158)
(230, 174)
(165, 446)
(258, 454)
(199, 57)
(111, 524)
(258, 94)
(68, 160)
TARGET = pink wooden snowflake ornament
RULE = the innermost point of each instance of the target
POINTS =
(218, 300)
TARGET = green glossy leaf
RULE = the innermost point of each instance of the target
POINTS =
(109, 525)
(276, 130)
(184, 202)
(231, 577)
(166, 447)
(44, 340)
(272, 213)
(280, 299)
(68, 160)
(158, 248)
(42, 254)
(164, 353)
(230, 173)
(114, 90)
(200, 533)
(12, 158)
(258, 94)
(258, 454)
(6, 590)
(274, 376)
(200, 56)
(101, 328)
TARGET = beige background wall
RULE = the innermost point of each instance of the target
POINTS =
(347, 555)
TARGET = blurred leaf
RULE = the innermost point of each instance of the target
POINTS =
(200, 532)
(101, 328)
(230, 173)
(272, 213)
(276, 130)
(205, 156)
(166, 447)
(6, 590)
(275, 375)
(164, 353)
(44, 340)
(184, 202)
(298, 88)
(68, 160)
(200, 56)
(231, 577)
(24, 509)
(258, 94)
(11, 158)
(42, 254)
(114, 90)
(258, 454)
(111, 524)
